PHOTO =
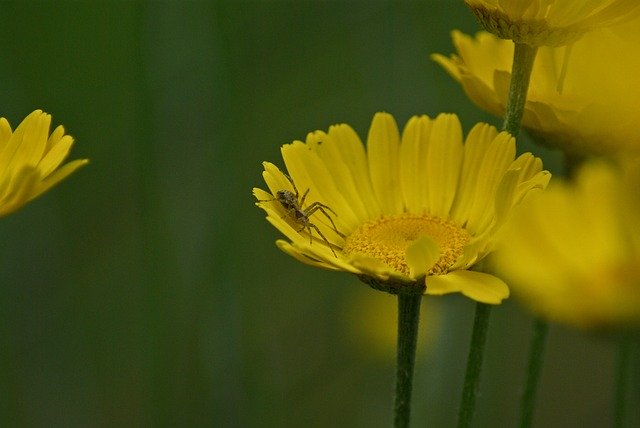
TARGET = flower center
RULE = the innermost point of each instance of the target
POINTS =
(388, 238)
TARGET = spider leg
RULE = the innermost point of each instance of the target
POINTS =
(326, 207)
(295, 189)
(266, 200)
(301, 203)
(313, 226)
(317, 206)
(306, 226)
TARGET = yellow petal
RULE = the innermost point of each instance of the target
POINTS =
(58, 175)
(383, 145)
(312, 175)
(354, 156)
(375, 268)
(275, 179)
(301, 257)
(34, 141)
(443, 163)
(5, 133)
(474, 149)
(19, 190)
(421, 255)
(261, 195)
(54, 157)
(495, 160)
(478, 286)
(413, 168)
(323, 255)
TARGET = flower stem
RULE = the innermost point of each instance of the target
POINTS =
(474, 364)
(622, 374)
(536, 357)
(408, 320)
(523, 58)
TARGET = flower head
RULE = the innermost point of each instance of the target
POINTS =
(581, 100)
(549, 22)
(30, 160)
(573, 252)
(409, 211)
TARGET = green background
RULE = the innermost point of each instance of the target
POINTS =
(146, 290)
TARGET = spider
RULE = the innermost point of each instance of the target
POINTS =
(293, 205)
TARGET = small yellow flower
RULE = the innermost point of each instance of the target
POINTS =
(549, 22)
(30, 160)
(583, 101)
(409, 211)
(573, 252)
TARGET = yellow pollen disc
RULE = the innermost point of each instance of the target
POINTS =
(388, 238)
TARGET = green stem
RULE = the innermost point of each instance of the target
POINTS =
(536, 357)
(523, 58)
(622, 375)
(408, 320)
(474, 364)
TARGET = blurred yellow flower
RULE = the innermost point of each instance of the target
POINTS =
(372, 322)
(30, 160)
(573, 252)
(413, 207)
(549, 22)
(583, 101)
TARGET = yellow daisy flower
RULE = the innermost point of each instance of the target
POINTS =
(30, 160)
(549, 22)
(573, 252)
(411, 212)
(583, 101)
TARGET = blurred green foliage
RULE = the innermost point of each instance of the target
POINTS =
(146, 290)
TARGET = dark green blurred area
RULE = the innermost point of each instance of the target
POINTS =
(146, 290)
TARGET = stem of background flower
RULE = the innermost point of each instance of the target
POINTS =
(622, 374)
(536, 354)
(408, 320)
(474, 365)
(523, 58)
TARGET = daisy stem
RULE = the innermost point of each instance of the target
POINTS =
(523, 58)
(474, 364)
(622, 374)
(408, 320)
(536, 357)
